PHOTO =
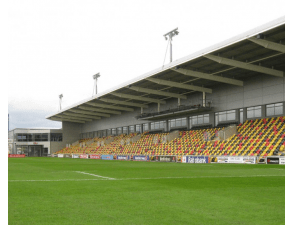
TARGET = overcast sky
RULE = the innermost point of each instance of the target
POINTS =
(56, 46)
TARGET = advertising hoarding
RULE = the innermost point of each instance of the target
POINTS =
(165, 158)
(141, 158)
(123, 157)
(107, 157)
(197, 159)
(16, 155)
(84, 156)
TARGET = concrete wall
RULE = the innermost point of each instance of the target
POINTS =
(71, 133)
(258, 90)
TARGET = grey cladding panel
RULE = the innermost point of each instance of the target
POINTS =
(275, 89)
(253, 101)
(273, 98)
(253, 93)
(270, 81)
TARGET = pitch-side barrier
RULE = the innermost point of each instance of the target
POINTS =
(181, 159)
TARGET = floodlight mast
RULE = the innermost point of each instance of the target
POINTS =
(95, 77)
(171, 34)
(60, 100)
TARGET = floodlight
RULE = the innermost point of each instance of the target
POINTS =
(171, 34)
(95, 77)
(60, 100)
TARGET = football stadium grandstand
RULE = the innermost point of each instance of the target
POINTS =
(224, 100)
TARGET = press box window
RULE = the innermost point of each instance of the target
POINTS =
(253, 112)
(138, 128)
(131, 129)
(181, 122)
(200, 119)
(145, 127)
(274, 109)
(157, 125)
(125, 130)
(226, 115)
(119, 130)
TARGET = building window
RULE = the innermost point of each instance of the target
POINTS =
(274, 109)
(253, 112)
(44, 137)
(180, 122)
(157, 125)
(21, 137)
(29, 137)
(125, 130)
(145, 127)
(113, 131)
(199, 119)
(108, 132)
(226, 115)
(102, 133)
(131, 129)
(138, 128)
(119, 130)
(57, 137)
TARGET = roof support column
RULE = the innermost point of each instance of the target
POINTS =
(178, 102)
(188, 123)
(204, 99)
(158, 107)
(142, 110)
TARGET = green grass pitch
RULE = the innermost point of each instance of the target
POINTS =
(91, 191)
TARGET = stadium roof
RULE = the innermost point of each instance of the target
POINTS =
(37, 128)
(259, 50)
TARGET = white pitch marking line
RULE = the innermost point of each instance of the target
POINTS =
(53, 180)
(145, 178)
(95, 175)
(153, 178)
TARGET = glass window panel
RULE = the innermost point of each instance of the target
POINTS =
(152, 126)
(108, 132)
(183, 123)
(44, 137)
(58, 136)
(250, 112)
(270, 111)
(200, 119)
(206, 118)
(231, 115)
(278, 110)
(241, 117)
(222, 116)
(138, 128)
(37, 137)
(194, 120)
(257, 112)
(145, 127)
